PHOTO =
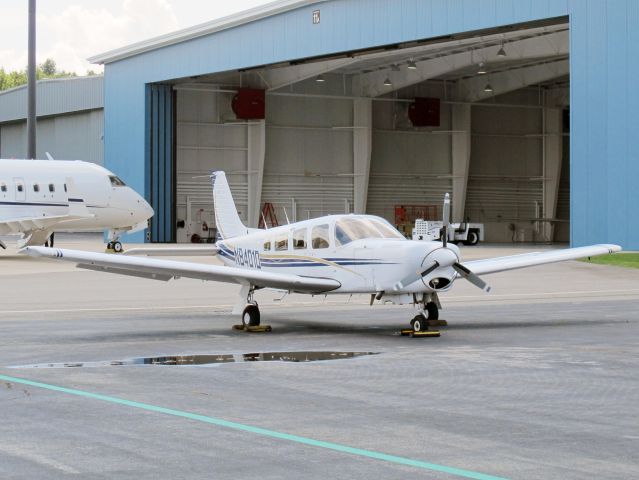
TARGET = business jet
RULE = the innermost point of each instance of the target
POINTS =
(41, 197)
(335, 254)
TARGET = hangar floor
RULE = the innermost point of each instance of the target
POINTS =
(536, 380)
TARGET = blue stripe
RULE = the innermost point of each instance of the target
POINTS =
(40, 204)
(219, 422)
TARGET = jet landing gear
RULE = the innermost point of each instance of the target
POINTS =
(115, 247)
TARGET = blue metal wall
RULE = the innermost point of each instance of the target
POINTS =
(604, 44)
(160, 161)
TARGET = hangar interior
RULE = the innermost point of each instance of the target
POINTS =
(489, 125)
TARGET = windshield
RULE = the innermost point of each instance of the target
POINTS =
(116, 182)
(350, 229)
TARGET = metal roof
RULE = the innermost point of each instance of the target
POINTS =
(224, 23)
(54, 97)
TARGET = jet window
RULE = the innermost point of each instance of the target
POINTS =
(20, 187)
(3, 187)
(65, 187)
(51, 187)
(36, 187)
(281, 243)
(267, 246)
(116, 182)
(319, 236)
(299, 239)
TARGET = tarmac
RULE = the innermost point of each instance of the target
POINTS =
(536, 380)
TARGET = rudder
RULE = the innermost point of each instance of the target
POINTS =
(227, 220)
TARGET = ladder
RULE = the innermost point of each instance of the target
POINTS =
(268, 213)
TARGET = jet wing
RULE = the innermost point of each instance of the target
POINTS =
(512, 262)
(167, 269)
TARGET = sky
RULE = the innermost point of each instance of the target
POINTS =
(70, 31)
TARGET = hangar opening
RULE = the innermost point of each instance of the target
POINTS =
(385, 131)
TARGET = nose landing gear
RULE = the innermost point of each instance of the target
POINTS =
(428, 316)
(115, 247)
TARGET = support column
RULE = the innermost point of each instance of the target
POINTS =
(460, 153)
(362, 149)
(256, 154)
(552, 146)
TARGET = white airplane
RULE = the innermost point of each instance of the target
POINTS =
(40, 197)
(335, 254)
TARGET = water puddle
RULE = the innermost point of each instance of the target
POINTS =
(300, 357)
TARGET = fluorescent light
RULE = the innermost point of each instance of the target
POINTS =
(388, 83)
(412, 65)
(320, 78)
(488, 88)
(482, 69)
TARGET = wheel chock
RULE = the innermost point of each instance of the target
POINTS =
(255, 329)
(409, 332)
(437, 323)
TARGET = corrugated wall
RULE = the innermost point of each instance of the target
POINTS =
(604, 99)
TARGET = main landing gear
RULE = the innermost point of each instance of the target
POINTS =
(251, 315)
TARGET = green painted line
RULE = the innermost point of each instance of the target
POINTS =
(260, 431)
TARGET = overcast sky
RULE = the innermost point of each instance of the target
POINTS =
(69, 31)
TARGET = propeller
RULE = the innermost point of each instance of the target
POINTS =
(444, 257)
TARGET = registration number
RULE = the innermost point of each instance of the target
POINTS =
(247, 258)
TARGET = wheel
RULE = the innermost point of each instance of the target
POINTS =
(117, 247)
(433, 311)
(251, 316)
(419, 324)
(473, 238)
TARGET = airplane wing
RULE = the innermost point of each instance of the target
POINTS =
(167, 269)
(186, 251)
(512, 262)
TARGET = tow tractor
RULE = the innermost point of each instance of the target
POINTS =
(466, 232)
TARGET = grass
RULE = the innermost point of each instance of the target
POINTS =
(623, 259)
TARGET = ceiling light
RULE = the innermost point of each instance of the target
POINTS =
(388, 83)
(395, 68)
(501, 52)
(488, 88)
(412, 65)
(320, 78)
(482, 69)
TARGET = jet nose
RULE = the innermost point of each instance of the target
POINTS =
(146, 208)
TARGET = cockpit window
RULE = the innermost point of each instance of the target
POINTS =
(116, 181)
(350, 229)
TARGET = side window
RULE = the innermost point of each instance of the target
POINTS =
(319, 236)
(299, 238)
(3, 187)
(281, 242)
(36, 187)
(51, 187)
(267, 245)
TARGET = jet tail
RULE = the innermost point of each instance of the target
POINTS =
(227, 220)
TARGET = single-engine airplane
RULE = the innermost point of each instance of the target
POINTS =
(335, 254)
(41, 197)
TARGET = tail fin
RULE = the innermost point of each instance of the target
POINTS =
(228, 221)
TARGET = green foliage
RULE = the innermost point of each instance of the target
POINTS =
(46, 69)
(630, 259)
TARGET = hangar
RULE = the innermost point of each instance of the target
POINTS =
(70, 120)
(523, 109)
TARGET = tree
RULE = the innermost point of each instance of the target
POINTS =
(48, 67)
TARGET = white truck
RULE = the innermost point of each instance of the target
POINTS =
(467, 233)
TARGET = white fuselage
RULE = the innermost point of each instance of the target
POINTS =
(362, 265)
(37, 188)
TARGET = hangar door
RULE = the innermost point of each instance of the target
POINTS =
(160, 161)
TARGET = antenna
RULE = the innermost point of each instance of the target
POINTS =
(286, 215)
(264, 220)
